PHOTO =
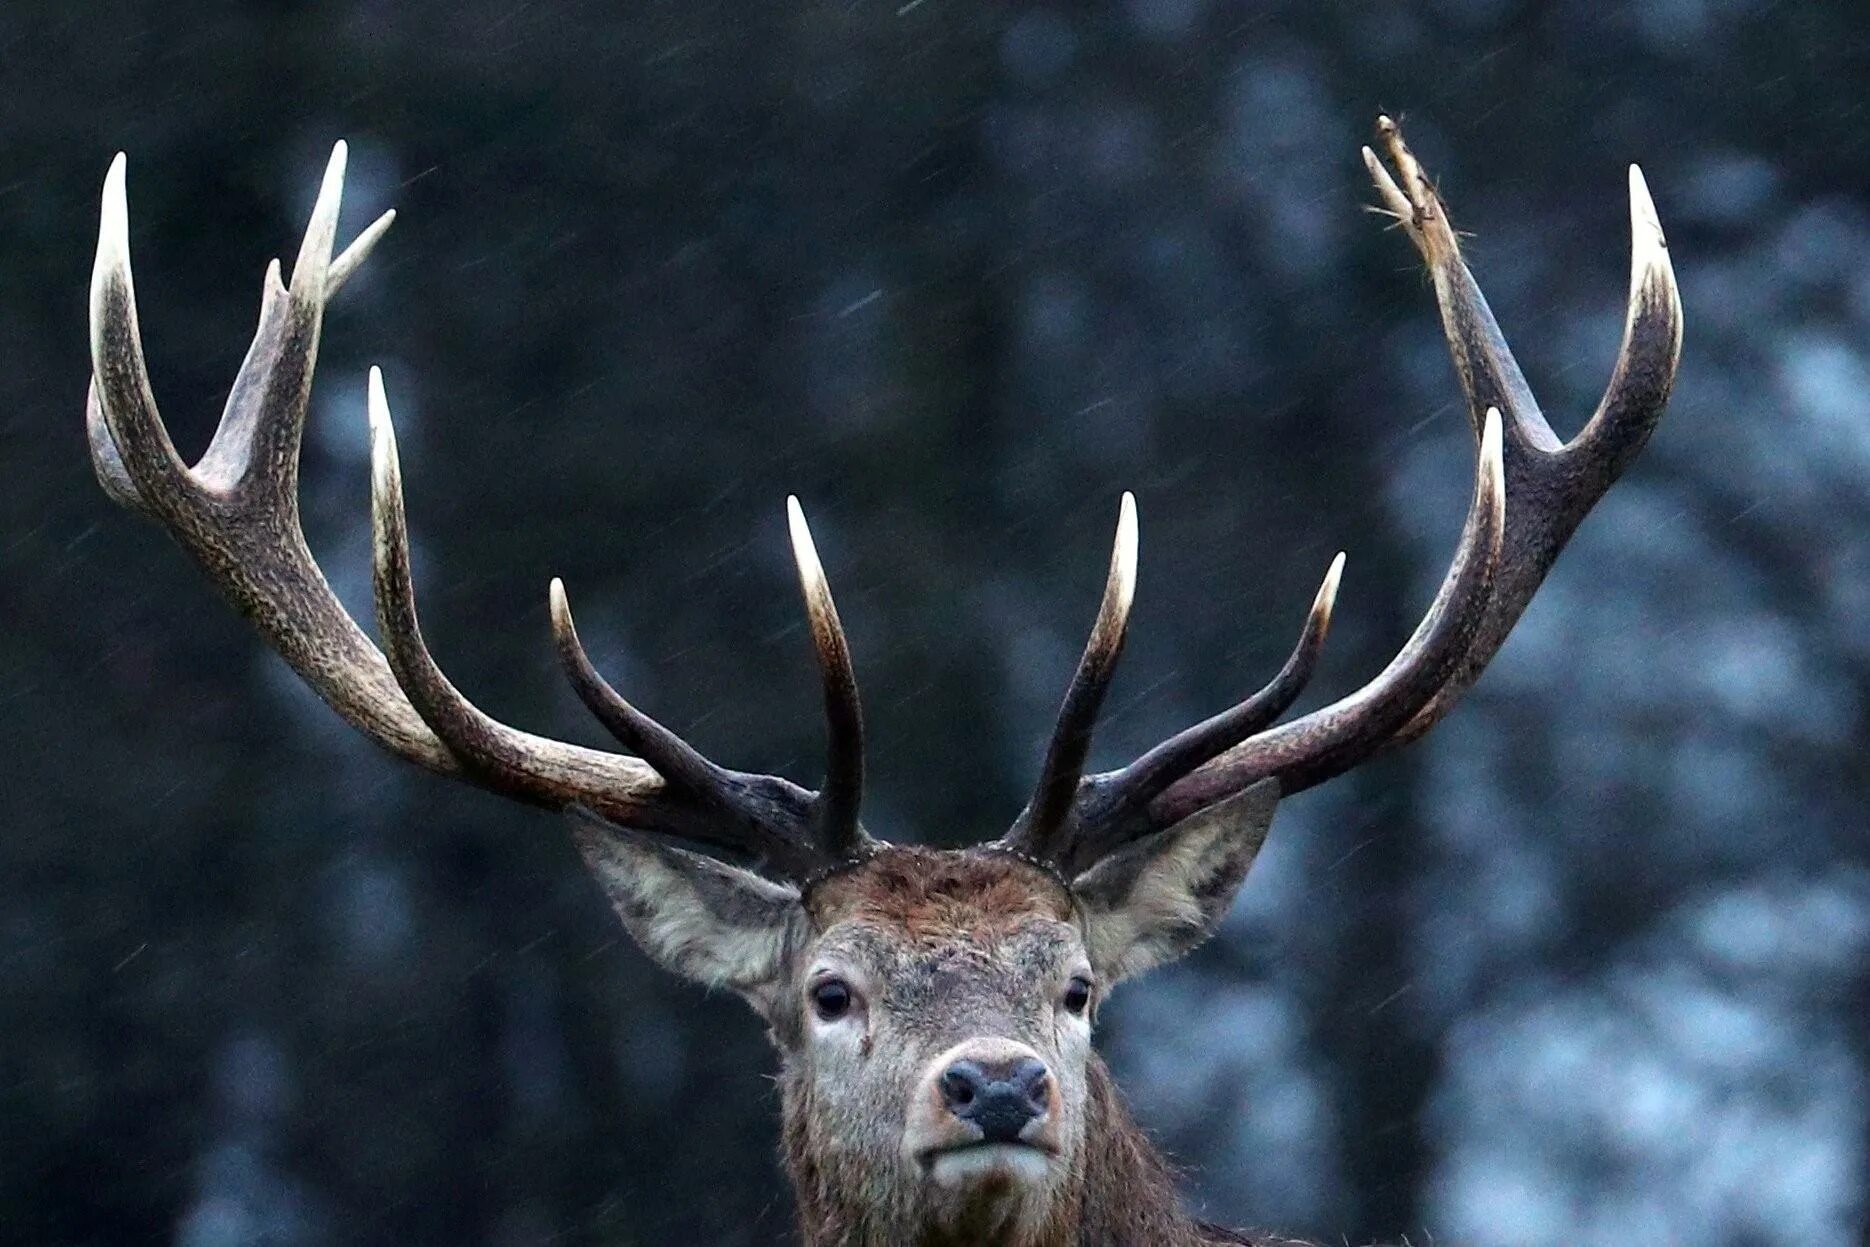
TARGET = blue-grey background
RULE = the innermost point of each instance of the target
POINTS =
(1586, 967)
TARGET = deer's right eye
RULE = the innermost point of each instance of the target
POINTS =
(831, 999)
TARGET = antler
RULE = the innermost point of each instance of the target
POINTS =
(236, 513)
(1531, 493)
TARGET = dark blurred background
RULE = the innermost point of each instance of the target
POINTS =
(1586, 967)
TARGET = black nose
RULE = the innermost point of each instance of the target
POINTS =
(1000, 1098)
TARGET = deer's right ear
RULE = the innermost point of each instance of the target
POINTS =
(705, 920)
(1153, 900)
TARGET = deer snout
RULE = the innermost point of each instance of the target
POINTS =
(985, 1111)
(999, 1098)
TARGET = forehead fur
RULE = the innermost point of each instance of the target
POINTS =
(938, 894)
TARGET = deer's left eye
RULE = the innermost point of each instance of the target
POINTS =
(1077, 995)
(831, 999)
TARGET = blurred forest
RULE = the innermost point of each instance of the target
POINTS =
(1588, 966)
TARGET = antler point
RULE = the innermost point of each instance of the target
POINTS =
(312, 270)
(1326, 601)
(113, 226)
(804, 550)
(386, 471)
(1123, 554)
(1646, 235)
(560, 608)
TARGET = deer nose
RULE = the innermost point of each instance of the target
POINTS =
(1000, 1098)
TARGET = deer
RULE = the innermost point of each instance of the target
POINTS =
(932, 1009)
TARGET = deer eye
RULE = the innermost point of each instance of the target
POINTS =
(831, 999)
(1077, 995)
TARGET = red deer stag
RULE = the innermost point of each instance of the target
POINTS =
(932, 1009)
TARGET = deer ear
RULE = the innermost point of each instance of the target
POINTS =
(1152, 901)
(705, 920)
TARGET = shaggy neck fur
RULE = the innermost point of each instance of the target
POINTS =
(1121, 1194)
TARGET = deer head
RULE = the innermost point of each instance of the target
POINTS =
(933, 1009)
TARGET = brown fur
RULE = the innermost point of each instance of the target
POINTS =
(1122, 1195)
(931, 895)
(945, 952)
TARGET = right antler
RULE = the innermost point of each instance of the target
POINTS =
(236, 512)
(1531, 492)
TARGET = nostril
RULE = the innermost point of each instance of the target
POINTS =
(961, 1085)
(1034, 1082)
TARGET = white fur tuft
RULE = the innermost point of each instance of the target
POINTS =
(1014, 1162)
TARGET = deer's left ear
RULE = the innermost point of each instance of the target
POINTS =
(705, 920)
(1152, 901)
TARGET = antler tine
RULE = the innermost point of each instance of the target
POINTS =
(678, 762)
(1490, 376)
(353, 256)
(254, 457)
(113, 320)
(838, 800)
(1336, 738)
(761, 816)
(1040, 830)
(116, 339)
(120, 377)
(481, 744)
(1644, 375)
(1551, 486)
(1104, 812)
(1146, 778)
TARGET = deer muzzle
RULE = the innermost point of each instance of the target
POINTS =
(985, 1111)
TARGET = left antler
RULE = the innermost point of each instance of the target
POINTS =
(1531, 493)
(237, 513)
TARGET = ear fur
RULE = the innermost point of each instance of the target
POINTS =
(1152, 901)
(705, 920)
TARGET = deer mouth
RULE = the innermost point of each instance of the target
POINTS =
(965, 1164)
